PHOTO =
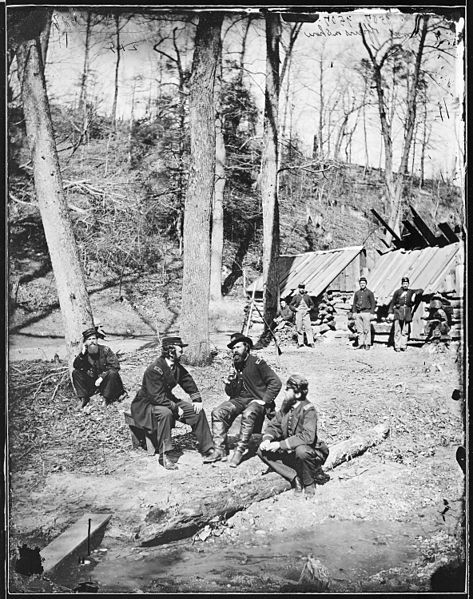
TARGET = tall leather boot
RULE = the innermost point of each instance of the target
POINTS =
(248, 420)
(219, 434)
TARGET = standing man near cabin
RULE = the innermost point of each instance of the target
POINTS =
(363, 309)
(301, 305)
(400, 309)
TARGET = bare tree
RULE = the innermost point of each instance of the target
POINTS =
(85, 69)
(380, 60)
(200, 190)
(269, 169)
(117, 69)
(72, 293)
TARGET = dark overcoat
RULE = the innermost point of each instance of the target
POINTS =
(156, 390)
(101, 365)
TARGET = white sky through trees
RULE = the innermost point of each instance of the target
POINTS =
(333, 38)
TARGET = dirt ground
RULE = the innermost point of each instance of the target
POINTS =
(384, 522)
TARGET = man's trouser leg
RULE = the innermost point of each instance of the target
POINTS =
(303, 462)
(299, 328)
(397, 333)
(250, 417)
(222, 418)
(308, 329)
(366, 327)
(111, 387)
(404, 334)
(199, 424)
(164, 420)
(84, 385)
(281, 462)
(359, 328)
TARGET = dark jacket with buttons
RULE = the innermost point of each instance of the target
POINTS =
(402, 304)
(296, 300)
(156, 389)
(99, 365)
(295, 427)
(254, 380)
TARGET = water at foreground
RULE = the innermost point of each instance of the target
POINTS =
(352, 551)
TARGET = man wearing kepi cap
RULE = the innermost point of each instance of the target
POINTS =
(252, 387)
(363, 308)
(156, 408)
(290, 444)
(96, 370)
(301, 304)
(400, 309)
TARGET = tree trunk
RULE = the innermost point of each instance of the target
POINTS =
(72, 293)
(85, 69)
(163, 526)
(117, 68)
(44, 38)
(217, 211)
(269, 168)
(200, 190)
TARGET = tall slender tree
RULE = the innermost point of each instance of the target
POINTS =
(269, 169)
(72, 293)
(198, 204)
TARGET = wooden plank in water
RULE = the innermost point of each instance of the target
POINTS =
(71, 539)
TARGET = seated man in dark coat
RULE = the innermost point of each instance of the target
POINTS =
(252, 387)
(290, 445)
(156, 408)
(96, 370)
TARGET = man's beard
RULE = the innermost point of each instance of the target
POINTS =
(238, 359)
(93, 349)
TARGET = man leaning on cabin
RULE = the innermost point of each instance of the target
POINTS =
(403, 303)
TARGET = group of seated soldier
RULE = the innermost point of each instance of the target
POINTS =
(289, 446)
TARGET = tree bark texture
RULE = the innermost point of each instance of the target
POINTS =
(72, 293)
(269, 170)
(217, 211)
(200, 190)
(117, 69)
(85, 69)
(177, 522)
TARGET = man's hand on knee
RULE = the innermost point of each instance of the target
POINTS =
(197, 405)
(98, 382)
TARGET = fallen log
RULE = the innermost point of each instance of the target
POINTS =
(179, 522)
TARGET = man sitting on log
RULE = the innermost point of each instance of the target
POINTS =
(156, 408)
(252, 387)
(96, 370)
(290, 445)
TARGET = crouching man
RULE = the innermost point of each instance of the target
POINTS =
(96, 370)
(290, 446)
(156, 408)
(252, 387)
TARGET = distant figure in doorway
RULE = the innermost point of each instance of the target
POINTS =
(96, 370)
(301, 305)
(402, 305)
(363, 309)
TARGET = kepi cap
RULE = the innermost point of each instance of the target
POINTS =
(167, 341)
(92, 332)
(297, 382)
(405, 280)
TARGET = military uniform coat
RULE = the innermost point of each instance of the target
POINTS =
(255, 380)
(402, 303)
(105, 362)
(294, 427)
(156, 390)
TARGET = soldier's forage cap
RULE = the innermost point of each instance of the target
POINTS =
(301, 285)
(297, 382)
(405, 280)
(93, 332)
(237, 338)
(363, 279)
(167, 341)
